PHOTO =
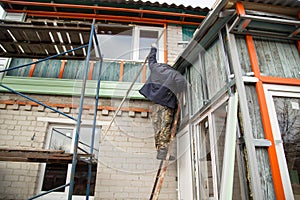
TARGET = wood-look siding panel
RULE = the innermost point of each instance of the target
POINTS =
(4, 36)
(278, 58)
(74, 36)
(48, 69)
(258, 133)
(73, 69)
(196, 86)
(110, 71)
(18, 35)
(215, 68)
(130, 71)
(21, 71)
(243, 54)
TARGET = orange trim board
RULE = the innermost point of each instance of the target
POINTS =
(278, 80)
(59, 105)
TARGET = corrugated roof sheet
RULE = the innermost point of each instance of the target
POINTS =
(186, 3)
(289, 3)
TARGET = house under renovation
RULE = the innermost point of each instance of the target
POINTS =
(74, 126)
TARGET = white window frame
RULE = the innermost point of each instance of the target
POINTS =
(135, 43)
(194, 131)
(272, 90)
(136, 39)
(60, 123)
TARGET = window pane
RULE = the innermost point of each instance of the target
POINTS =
(145, 41)
(220, 128)
(278, 58)
(116, 44)
(206, 178)
(288, 115)
(55, 176)
(81, 179)
(85, 141)
(61, 139)
(215, 66)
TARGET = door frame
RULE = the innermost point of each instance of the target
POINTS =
(272, 90)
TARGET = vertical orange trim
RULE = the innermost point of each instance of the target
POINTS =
(298, 45)
(252, 56)
(278, 187)
(32, 68)
(121, 70)
(240, 8)
(62, 68)
(144, 73)
(90, 76)
(165, 44)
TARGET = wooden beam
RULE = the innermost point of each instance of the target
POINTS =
(37, 155)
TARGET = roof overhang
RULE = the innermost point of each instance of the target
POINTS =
(121, 11)
(38, 39)
(280, 21)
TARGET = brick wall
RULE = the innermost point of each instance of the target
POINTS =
(127, 163)
(174, 35)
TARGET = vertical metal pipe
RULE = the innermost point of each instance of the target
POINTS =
(88, 187)
(74, 160)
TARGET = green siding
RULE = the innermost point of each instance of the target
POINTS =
(109, 89)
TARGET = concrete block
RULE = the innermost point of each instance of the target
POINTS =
(131, 114)
(41, 108)
(105, 112)
(144, 114)
(67, 110)
(2, 106)
(27, 107)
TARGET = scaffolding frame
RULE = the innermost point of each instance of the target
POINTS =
(92, 41)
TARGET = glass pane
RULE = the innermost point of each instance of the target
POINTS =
(81, 179)
(278, 58)
(206, 178)
(145, 41)
(55, 176)
(220, 129)
(116, 45)
(215, 66)
(84, 144)
(61, 139)
(196, 86)
(288, 114)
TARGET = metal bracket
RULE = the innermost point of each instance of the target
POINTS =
(261, 143)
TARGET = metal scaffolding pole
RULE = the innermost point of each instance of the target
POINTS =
(94, 121)
(78, 125)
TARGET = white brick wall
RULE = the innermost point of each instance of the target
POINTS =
(127, 164)
(174, 35)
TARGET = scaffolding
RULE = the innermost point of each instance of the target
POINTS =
(45, 155)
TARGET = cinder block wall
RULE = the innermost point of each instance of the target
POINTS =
(127, 164)
(174, 37)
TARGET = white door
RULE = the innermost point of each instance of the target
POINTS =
(185, 190)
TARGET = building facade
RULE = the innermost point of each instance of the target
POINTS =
(45, 67)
